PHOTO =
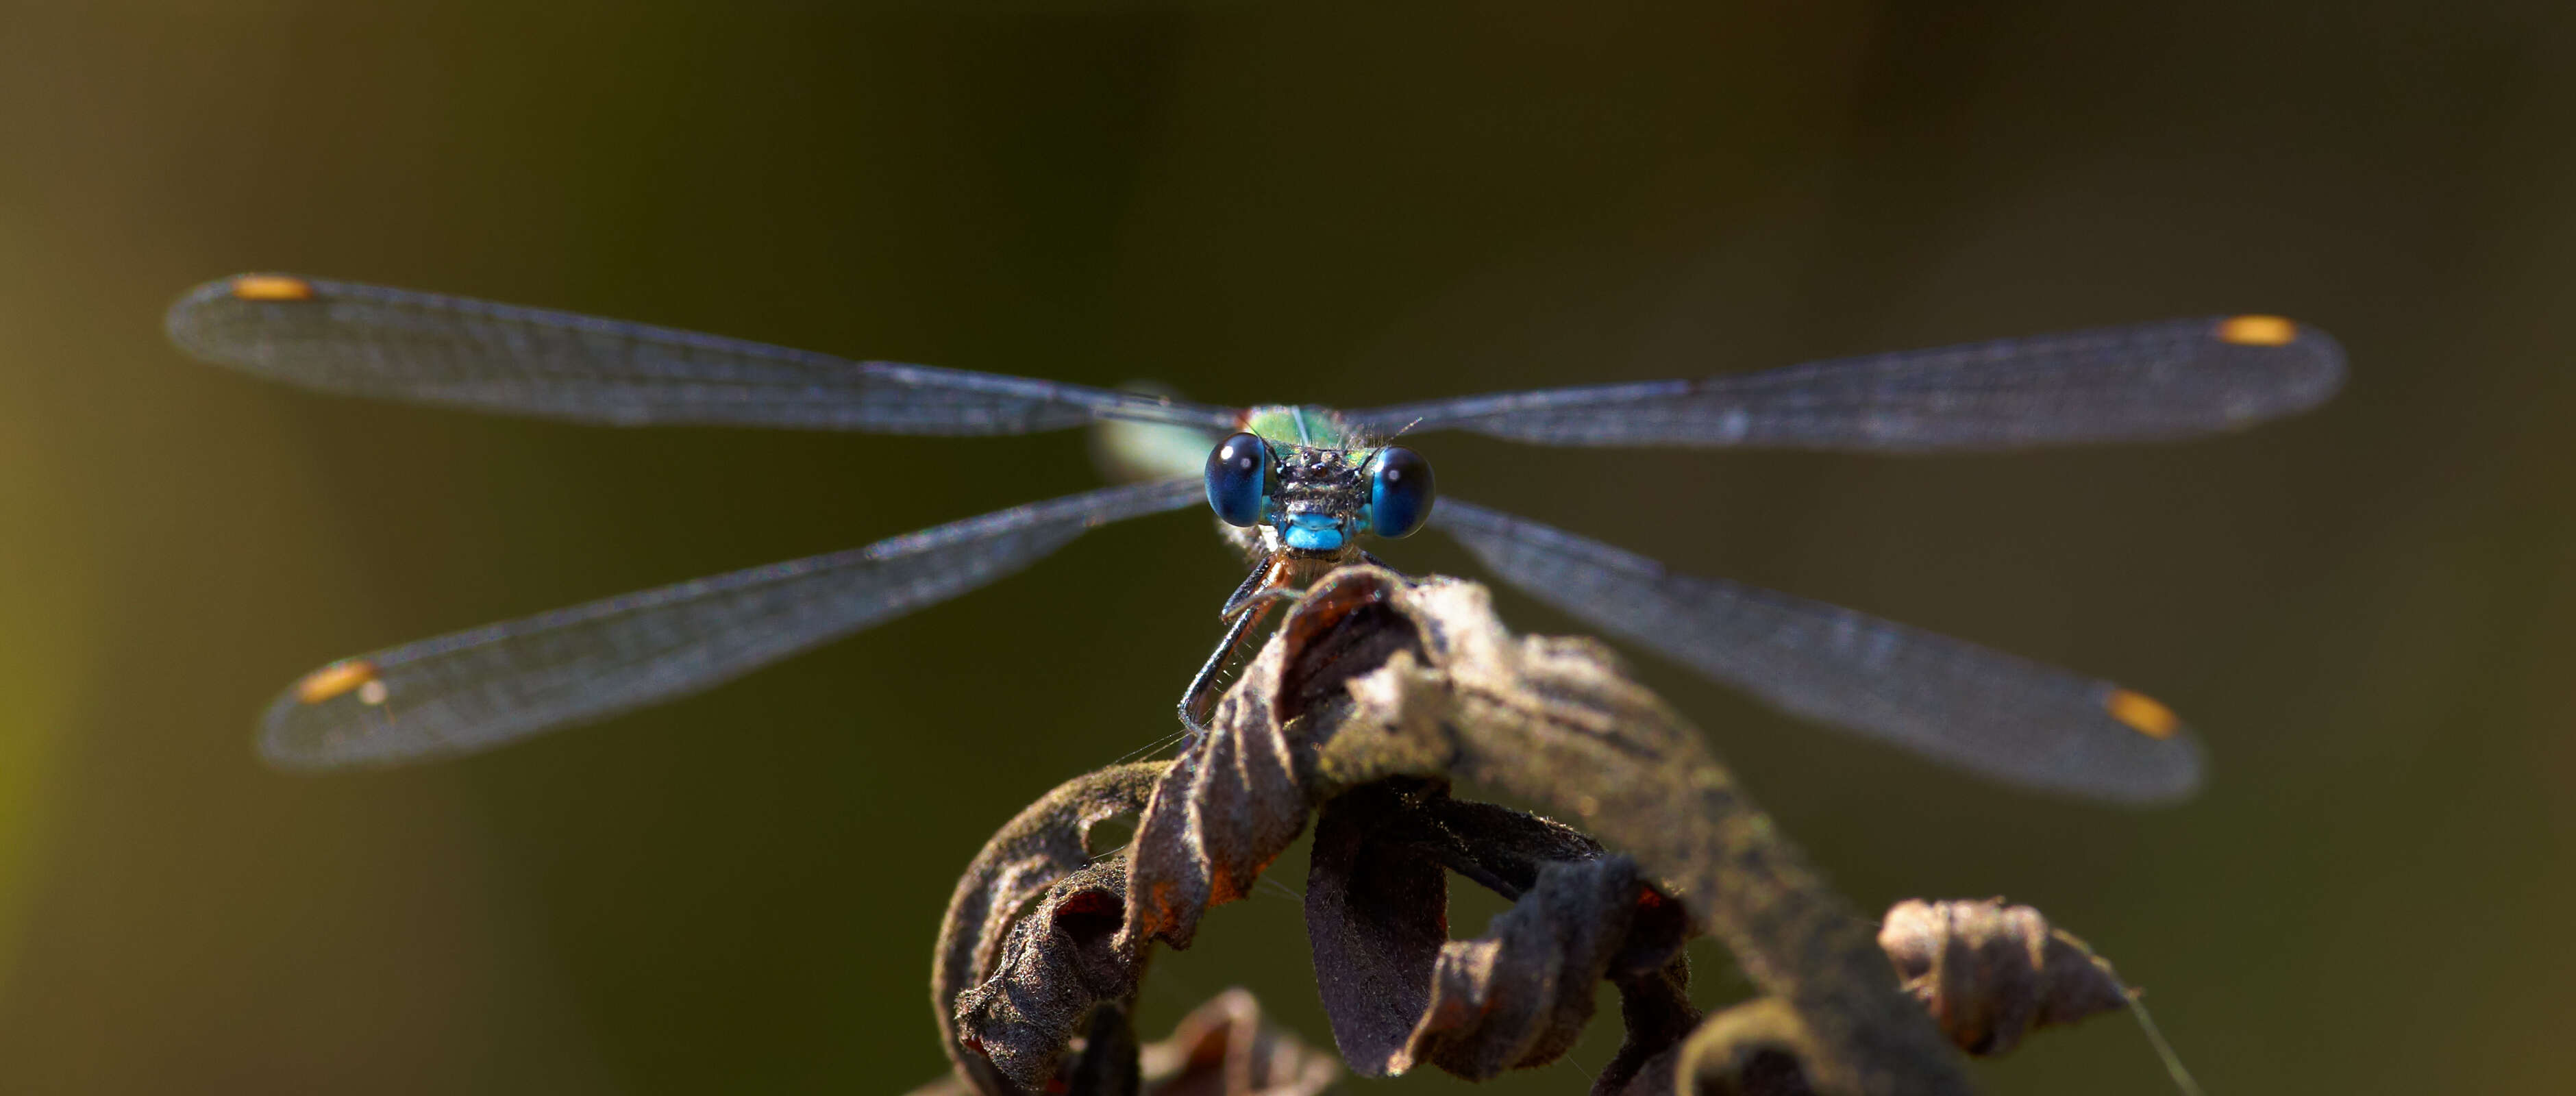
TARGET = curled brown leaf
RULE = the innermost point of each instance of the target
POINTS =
(1372, 677)
(1400, 993)
(1225, 1047)
(1373, 696)
(1059, 973)
(1990, 973)
(1046, 843)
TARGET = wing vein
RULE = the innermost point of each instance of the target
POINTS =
(364, 340)
(478, 688)
(1977, 709)
(2144, 382)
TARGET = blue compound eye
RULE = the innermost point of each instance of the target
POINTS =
(1399, 492)
(1237, 474)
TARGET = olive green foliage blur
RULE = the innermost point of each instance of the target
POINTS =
(2370, 611)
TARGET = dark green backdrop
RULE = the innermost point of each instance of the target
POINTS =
(2368, 610)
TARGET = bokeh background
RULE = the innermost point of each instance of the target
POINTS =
(2370, 611)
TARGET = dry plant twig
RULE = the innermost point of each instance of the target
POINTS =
(1373, 696)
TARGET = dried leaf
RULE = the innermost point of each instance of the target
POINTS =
(1400, 993)
(1230, 806)
(1377, 917)
(1226, 1048)
(1043, 845)
(1519, 996)
(1758, 1048)
(1654, 1000)
(1222, 1048)
(1059, 965)
(1990, 973)
(1219, 816)
(1432, 685)
(1375, 693)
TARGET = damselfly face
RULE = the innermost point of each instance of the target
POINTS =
(1296, 498)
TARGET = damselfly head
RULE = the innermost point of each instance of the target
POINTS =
(1318, 499)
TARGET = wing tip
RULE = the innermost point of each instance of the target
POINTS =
(283, 744)
(2311, 359)
(179, 322)
(299, 732)
(186, 320)
(2168, 770)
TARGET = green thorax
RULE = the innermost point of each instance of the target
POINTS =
(1312, 427)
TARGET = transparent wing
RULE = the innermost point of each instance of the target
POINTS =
(480, 688)
(2159, 380)
(365, 340)
(1977, 709)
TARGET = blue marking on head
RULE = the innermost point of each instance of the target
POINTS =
(1312, 532)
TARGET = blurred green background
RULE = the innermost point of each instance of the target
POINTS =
(2366, 610)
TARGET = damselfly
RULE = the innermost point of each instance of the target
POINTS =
(1295, 488)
